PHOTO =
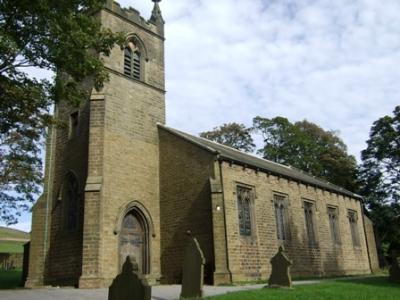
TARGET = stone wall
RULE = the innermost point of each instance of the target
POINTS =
(185, 204)
(55, 256)
(249, 256)
(63, 264)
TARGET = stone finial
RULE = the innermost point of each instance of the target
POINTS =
(156, 16)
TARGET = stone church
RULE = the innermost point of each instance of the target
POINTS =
(119, 182)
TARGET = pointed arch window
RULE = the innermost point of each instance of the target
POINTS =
(352, 215)
(334, 224)
(71, 202)
(282, 228)
(132, 61)
(244, 198)
(309, 213)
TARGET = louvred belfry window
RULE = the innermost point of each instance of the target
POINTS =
(132, 62)
(244, 196)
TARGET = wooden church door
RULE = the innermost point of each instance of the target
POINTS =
(132, 241)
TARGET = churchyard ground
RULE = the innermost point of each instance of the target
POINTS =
(10, 279)
(369, 288)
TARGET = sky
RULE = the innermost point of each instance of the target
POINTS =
(332, 62)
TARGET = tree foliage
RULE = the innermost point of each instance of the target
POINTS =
(61, 36)
(308, 147)
(233, 135)
(380, 177)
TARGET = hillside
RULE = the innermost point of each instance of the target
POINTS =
(12, 240)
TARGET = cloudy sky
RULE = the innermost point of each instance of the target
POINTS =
(332, 62)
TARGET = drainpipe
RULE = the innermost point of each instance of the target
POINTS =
(49, 189)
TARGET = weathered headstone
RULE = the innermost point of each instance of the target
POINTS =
(129, 284)
(280, 275)
(394, 270)
(193, 271)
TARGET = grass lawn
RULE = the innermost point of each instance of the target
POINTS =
(10, 279)
(371, 288)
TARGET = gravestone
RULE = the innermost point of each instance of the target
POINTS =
(394, 270)
(193, 270)
(280, 275)
(129, 284)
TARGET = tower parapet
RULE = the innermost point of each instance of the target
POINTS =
(155, 24)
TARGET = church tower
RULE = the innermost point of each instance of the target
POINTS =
(101, 195)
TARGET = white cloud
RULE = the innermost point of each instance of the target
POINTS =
(331, 62)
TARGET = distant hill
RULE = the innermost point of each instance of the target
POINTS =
(10, 233)
(12, 240)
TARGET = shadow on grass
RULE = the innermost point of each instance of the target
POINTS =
(10, 279)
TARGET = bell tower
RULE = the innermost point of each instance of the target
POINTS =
(121, 196)
(101, 190)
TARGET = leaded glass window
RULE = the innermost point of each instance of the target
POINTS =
(132, 62)
(244, 198)
(280, 216)
(352, 215)
(309, 218)
(334, 224)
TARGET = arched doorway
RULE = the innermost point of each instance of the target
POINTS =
(133, 240)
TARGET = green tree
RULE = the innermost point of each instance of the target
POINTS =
(62, 36)
(308, 147)
(380, 177)
(233, 135)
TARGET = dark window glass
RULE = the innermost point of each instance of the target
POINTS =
(71, 202)
(244, 210)
(280, 216)
(334, 224)
(354, 228)
(73, 125)
(309, 217)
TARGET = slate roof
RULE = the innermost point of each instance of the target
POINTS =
(232, 155)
